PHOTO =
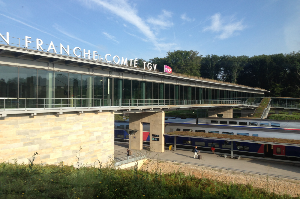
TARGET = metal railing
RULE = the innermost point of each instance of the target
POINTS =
(54, 103)
(121, 160)
(266, 110)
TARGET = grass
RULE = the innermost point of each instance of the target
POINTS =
(36, 181)
(119, 117)
(260, 109)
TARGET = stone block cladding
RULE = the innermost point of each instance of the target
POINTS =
(57, 138)
(157, 127)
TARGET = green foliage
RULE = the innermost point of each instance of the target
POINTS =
(278, 73)
(260, 109)
(67, 182)
(119, 117)
(181, 61)
(284, 117)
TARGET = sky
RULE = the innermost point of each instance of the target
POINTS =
(150, 28)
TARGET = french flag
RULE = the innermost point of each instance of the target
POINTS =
(168, 69)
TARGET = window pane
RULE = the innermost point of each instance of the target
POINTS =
(61, 84)
(107, 91)
(167, 91)
(8, 81)
(87, 89)
(172, 91)
(155, 91)
(61, 89)
(127, 89)
(98, 91)
(9, 86)
(27, 87)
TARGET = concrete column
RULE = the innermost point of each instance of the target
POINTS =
(49, 90)
(89, 92)
(231, 149)
(157, 127)
(135, 123)
(174, 143)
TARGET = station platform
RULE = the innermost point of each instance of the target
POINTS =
(245, 165)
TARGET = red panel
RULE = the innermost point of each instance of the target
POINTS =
(145, 135)
(282, 150)
(261, 149)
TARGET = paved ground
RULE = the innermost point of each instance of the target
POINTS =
(246, 165)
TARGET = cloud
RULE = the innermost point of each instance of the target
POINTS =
(227, 29)
(61, 30)
(110, 37)
(30, 26)
(185, 18)
(162, 20)
(145, 40)
(124, 10)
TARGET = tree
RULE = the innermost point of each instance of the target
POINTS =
(184, 62)
(210, 67)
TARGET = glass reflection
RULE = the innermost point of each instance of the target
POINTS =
(27, 88)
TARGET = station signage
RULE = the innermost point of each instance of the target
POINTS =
(167, 69)
(79, 53)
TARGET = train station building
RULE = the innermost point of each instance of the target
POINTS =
(61, 105)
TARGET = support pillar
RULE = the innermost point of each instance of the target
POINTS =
(231, 149)
(157, 128)
(174, 143)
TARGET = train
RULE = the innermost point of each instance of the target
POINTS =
(286, 124)
(247, 147)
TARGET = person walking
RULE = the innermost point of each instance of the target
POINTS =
(196, 152)
(128, 153)
(213, 148)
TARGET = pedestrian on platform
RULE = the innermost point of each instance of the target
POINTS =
(196, 152)
(128, 153)
(213, 148)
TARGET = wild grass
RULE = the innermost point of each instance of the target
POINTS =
(260, 109)
(49, 181)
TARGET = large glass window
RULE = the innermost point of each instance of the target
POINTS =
(74, 90)
(161, 91)
(181, 93)
(127, 91)
(9, 86)
(9, 82)
(136, 90)
(176, 95)
(189, 94)
(45, 89)
(107, 91)
(193, 93)
(61, 89)
(118, 91)
(98, 91)
(87, 90)
(155, 91)
(167, 91)
(171, 91)
(27, 88)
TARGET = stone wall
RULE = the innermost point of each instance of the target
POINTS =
(58, 138)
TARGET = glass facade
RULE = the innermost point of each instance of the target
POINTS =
(36, 88)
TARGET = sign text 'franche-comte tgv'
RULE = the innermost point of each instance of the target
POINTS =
(86, 54)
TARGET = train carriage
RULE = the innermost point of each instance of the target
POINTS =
(244, 148)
